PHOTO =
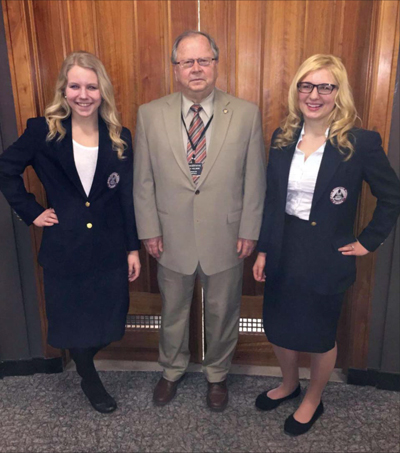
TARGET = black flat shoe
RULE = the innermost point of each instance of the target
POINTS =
(294, 428)
(265, 403)
(98, 396)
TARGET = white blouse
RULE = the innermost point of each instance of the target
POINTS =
(302, 179)
(85, 162)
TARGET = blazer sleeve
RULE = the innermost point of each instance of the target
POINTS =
(144, 195)
(267, 213)
(13, 162)
(254, 182)
(385, 186)
(126, 196)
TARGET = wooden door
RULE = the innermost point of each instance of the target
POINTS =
(262, 43)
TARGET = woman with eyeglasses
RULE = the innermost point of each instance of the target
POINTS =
(89, 251)
(307, 248)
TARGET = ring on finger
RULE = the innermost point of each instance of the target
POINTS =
(352, 247)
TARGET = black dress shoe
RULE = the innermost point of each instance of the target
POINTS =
(98, 396)
(294, 428)
(265, 403)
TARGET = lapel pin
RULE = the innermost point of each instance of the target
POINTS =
(113, 180)
(338, 195)
(225, 111)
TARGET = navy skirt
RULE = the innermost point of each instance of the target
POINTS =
(295, 316)
(88, 309)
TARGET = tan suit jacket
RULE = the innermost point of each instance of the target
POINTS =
(199, 223)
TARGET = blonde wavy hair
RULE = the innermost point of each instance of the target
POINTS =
(342, 118)
(58, 110)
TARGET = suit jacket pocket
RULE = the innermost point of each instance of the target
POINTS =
(234, 216)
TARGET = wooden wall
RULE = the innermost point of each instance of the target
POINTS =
(261, 42)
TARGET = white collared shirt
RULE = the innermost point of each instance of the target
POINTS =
(302, 179)
(205, 114)
(85, 158)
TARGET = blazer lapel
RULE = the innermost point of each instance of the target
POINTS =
(222, 118)
(330, 162)
(65, 155)
(173, 126)
(287, 158)
(104, 155)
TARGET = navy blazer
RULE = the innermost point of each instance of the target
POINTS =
(332, 224)
(94, 231)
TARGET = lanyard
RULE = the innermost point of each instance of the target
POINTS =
(194, 146)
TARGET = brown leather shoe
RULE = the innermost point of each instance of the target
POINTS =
(165, 391)
(217, 396)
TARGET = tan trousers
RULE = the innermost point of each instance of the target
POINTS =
(222, 295)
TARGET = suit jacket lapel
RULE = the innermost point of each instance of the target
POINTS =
(286, 163)
(104, 155)
(222, 118)
(173, 126)
(65, 155)
(330, 162)
(287, 158)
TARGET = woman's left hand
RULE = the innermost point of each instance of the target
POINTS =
(133, 265)
(354, 248)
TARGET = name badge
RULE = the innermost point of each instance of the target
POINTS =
(195, 169)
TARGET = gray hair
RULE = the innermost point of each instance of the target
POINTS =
(188, 33)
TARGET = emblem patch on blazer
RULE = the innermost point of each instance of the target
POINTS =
(338, 195)
(113, 180)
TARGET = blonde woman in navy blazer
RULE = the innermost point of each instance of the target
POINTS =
(89, 251)
(307, 248)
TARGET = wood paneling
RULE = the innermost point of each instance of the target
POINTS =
(80, 25)
(261, 46)
(354, 34)
(384, 50)
(118, 17)
(182, 16)
(219, 20)
(20, 58)
(48, 46)
(284, 50)
(151, 50)
(319, 27)
(248, 50)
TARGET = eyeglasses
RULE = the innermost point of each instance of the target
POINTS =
(322, 88)
(186, 64)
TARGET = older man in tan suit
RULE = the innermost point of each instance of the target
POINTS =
(199, 187)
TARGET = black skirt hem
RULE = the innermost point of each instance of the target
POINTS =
(298, 349)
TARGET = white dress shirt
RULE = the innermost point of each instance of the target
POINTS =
(302, 179)
(85, 158)
(205, 114)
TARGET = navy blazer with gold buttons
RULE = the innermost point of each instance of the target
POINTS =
(332, 223)
(94, 231)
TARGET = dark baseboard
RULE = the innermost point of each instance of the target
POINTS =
(375, 378)
(30, 366)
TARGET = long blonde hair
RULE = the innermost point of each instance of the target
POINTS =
(58, 110)
(342, 118)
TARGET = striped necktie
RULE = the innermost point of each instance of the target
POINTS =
(197, 138)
